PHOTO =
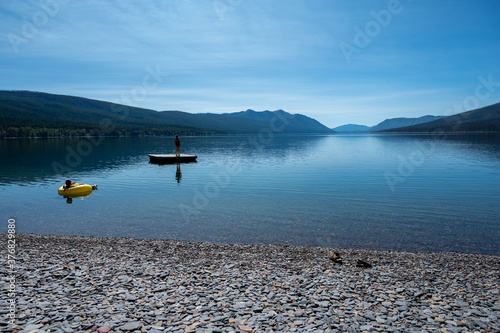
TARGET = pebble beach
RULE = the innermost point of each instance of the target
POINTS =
(92, 284)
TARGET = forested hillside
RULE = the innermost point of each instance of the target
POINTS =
(34, 114)
(31, 114)
(485, 119)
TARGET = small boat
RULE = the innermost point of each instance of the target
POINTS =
(171, 158)
(76, 190)
(76, 196)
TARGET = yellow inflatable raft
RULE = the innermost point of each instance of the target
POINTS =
(76, 190)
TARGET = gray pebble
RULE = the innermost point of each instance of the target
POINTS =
(73, 284)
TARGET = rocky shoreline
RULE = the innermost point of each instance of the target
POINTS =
(86, 284)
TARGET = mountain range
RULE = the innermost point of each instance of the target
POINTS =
(28, 114)
(386, 124)
(36, 114)
(486, 119)
(351, 128)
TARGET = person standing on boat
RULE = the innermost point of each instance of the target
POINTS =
(177, 142)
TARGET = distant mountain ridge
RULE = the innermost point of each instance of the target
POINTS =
(26, 114)
(386, 124)
(36, 114)
(351, 128)
(486, 119)
(293, 123)
(402, 122)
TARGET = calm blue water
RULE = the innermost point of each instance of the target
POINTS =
(391, 192)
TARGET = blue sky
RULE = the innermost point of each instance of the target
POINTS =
(336, 61)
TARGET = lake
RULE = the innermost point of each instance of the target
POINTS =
(390, 192)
